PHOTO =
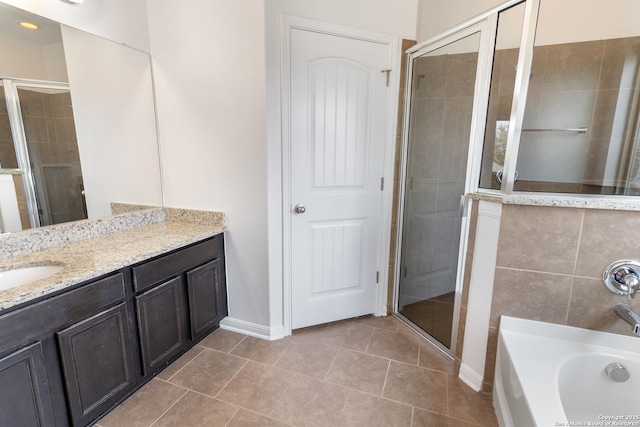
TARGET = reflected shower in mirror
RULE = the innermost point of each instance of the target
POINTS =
(77, 124)
(581, 128)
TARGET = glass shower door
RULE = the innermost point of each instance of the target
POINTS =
(440, 120)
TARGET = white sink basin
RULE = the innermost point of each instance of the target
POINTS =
(21, 276)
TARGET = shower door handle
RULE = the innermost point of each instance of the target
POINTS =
(463, 206)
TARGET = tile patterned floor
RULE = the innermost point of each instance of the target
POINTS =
(370, 371)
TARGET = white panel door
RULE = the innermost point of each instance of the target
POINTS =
(338, 126)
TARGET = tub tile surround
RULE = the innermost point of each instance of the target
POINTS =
(348, 373)
(550, 265)
(90, 248)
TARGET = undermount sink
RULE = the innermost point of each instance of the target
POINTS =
(21, 276)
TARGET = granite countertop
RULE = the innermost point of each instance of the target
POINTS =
(88, 258)
(581, 201)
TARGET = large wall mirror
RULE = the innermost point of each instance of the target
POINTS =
(581, 127)
(77, 124)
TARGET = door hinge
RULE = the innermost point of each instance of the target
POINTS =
(388, 75)
(382, 184)
(377, 277)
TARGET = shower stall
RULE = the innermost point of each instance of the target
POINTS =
(444, 120)
(442, 88)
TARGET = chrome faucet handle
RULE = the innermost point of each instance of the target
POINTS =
(632, 283)
(623, 277)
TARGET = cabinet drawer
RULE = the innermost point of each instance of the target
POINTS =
(34, 320)
(160, 269)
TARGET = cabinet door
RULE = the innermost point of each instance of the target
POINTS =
(24, 395)
(162, 324)
(97, 363)
(207, 297)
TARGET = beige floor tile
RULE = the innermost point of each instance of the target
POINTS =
(388, 323)
(209, 372)
(260, 350)
(372, 411)
(182, 361)
(145, 406)
(467, 405)
(359, 371)
(222, 340)
(429, 419)
(308, 358)
(257, 387)
(197, 410)
(249, 419)
(417, 386)
(311, 402)
(433, 359)
(347, 335)
(400, 347)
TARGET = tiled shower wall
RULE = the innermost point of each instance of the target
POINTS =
(550, 265)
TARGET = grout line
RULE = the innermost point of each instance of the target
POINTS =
(446, 384)
(386, 377)
(575, 267)
(332, 363)
(235, 346)
(234, 415)
(186, 364)
(536, 271)
(284, 393)
(366, 349)
(344, 406)
(232, 378)
(169, 408)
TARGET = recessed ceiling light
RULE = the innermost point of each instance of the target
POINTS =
(29, 25)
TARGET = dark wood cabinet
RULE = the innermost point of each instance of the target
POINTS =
(207, 297)
(162, 324)
(97, 363)
(70, 358)
(24, 397)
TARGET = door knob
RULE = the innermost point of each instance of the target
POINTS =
(299, 208)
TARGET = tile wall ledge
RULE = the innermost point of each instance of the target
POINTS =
(125, 217)
(554, 200)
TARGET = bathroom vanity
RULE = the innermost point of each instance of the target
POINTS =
(71, 352)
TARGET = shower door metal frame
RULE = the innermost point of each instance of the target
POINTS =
(486, 26)
(16, 122)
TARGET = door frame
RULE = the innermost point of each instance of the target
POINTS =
(287, 24)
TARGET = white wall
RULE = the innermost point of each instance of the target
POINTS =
(560, 21)
(112, 97)
(397, 17)
(123, 21)
(27, 60)
(218, 94)
(210, 83)
(438, 16)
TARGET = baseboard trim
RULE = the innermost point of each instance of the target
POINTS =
(252, 329)
(470, 377)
